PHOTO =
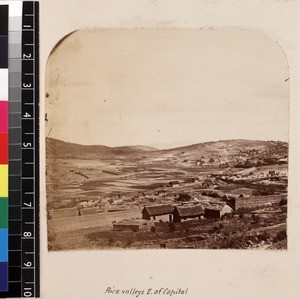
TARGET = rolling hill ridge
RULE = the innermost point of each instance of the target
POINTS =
(224, 148)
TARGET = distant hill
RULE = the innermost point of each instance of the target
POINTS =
(135, 148)
(223, 146)
(225, 150)
(222, 150)
(61, 149)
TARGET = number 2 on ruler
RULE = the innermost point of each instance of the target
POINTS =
(27, 56)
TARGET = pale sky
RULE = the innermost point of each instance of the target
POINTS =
(167, 87)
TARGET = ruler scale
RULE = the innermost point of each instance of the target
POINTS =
(23, 218)
(30, 152)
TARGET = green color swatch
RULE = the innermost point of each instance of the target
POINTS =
(3, 212)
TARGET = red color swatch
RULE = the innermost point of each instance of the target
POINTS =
(3, 148)
(4, 116)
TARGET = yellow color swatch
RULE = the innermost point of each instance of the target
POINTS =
(3, 180)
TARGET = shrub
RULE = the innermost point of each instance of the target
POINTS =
(233, 242)
(255, 218)
(129, 241)
(216, 228)
(184, 197)
(111, 241)
(215, 195)
(264, 236)
(172, 227)
(283, 202)
(281, 235)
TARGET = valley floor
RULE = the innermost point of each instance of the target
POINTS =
(86, 197)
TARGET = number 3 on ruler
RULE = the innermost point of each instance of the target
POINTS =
(26, 85)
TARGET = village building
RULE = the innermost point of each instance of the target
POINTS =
(63, 213)
(253, 201)
(88, 211)
(283, 161)
(183, 213)
(129, 225)
(225, 197)
(162, 212)
(173, 183)
(217, 212)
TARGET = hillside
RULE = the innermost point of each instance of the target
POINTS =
(224, 151)
(95, 193)
(221, 151)
(60, 149)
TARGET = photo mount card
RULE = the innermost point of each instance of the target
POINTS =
(127, 273)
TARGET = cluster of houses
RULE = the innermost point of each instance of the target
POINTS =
(182, 213)
(152, 215)
(272, 175)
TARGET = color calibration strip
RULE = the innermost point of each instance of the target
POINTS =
(14, 181)
(19, 172)
(3, 147)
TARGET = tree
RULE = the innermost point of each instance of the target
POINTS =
(184, 197)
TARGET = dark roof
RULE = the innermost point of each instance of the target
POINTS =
(214, 208)
(218, 208)
(159, 210)
(190, 211)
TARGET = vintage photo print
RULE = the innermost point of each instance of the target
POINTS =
(165, 139)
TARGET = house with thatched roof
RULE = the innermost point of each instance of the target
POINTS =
(218, 211)
(190, 212)
(225, 197)
(158, 212)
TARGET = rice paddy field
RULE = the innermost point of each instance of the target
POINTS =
(119, 186)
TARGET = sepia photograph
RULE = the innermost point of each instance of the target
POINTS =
(167, 139)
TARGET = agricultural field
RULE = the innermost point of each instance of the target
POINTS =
(265, 229)
(119, 182)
